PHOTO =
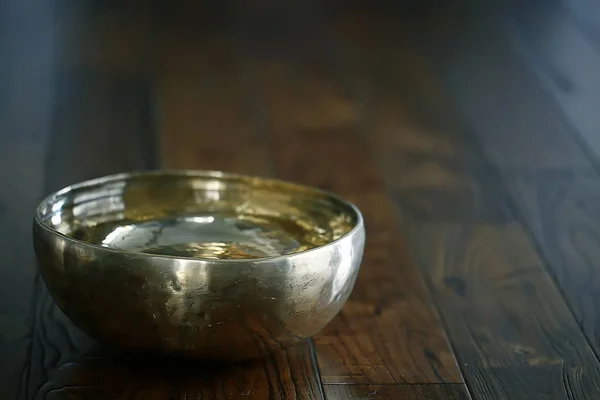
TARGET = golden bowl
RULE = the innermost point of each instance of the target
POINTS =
(199, 263)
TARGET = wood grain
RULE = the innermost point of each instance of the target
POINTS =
(101, 125)
(100, 122)
(204, 115)
(335, 94)
(566, 62)
(396, 392)
(483, 272)
(387, 333)
(159, 379)
(498, 95)
(26, 84)
(206, 124)
(563, 213)
(431, 162)
(587, 15)
(513, 334)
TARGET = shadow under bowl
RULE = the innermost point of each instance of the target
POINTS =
(198, 263)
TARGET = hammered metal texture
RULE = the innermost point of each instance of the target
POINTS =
(213, 307)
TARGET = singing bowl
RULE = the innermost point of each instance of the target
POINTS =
(198, 263)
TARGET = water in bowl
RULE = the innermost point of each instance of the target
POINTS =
(210, 235)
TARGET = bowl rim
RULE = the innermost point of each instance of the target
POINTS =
(124, 176)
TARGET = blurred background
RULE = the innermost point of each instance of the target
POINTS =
(469, 125)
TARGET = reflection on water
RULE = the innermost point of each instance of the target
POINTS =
(210, 235)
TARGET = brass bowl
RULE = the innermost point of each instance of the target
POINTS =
(199, 263)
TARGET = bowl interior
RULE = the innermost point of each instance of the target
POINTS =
(199, 215)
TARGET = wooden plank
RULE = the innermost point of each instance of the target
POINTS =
(101, 125)
(153, 379)
(498, 95)
(563, 214)
(28, 54)
(204, 118)
(504, 316)
(566, 62)
(433, 164)
(396, 392)
(513, 334)
(206, 124)
(587, 15)
(387, 332)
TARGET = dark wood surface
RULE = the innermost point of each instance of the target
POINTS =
(395, 392)
(466, 133)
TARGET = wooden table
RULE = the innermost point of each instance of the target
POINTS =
(467, 135)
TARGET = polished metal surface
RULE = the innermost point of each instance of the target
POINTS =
(200, 263)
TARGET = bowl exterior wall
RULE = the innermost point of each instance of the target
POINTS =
(202, 308)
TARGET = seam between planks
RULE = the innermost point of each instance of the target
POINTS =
(259, 115)
(518, 46)
(510, 199)
(363, 112)
(315, 365)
